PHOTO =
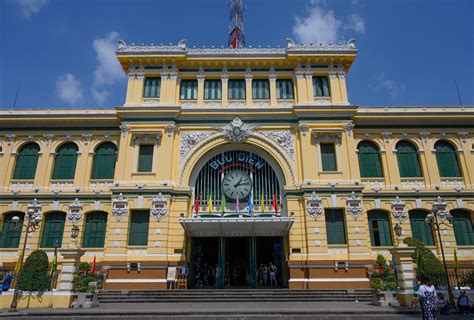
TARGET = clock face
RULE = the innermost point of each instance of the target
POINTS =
(236, 184)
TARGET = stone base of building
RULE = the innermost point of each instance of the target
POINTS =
(55, 299)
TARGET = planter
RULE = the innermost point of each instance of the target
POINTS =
(85, 300)
(384, 299)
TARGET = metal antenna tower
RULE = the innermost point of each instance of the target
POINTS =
(236, 24)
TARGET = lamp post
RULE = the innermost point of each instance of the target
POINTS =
(398, 232)
(31, 226)
(440, 216)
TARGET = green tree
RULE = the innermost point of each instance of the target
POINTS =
(383, 277)
(427, 263)
(34, 275)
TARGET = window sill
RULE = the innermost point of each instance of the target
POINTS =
(143, 173)
(382, 247)
(411, 179)
(10, 249)
(452, 178)
(330, 172)
(61, 180)
(137, 247)
(22, 180)
(102, 180)
(465, 246)
(382, 179)
(93, 248)
(338, 246)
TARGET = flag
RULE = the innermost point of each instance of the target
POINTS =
(250, 204)
(93, 266)
(234, 36)
(275, 204)
(17, 267)
(196, 205)
(456, 263)
(237, 205)
(209, 205)
(223, 204)
(262, 204)
(54, 264)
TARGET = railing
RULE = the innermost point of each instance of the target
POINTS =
(461, 279)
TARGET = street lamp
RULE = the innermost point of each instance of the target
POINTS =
(440, 216)
(74, 234)
(32, 225)
(398, 232)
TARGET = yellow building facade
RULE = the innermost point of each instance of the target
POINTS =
(235, 158)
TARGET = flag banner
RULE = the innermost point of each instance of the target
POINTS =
(262, 204)
(209, 205)
(196, 205)
(250, 204)
(93, 266)
(275, 204)
(54, 264)
(223, 204)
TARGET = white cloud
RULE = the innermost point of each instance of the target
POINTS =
(108, 70)
(322, 25)
(69, 89)
(30, 7)
(393, 88)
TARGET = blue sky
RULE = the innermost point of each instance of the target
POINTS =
(61, 51)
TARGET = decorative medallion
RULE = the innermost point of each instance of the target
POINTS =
(237, 131)
(74, 214)
(315, 206)
(399, 210)
(189, 139)
(283, 138)
(159, 208)
(119, 206)
(36, 207)
(354, 206)
(439, 208)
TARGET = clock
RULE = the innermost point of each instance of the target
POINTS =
(236, 184)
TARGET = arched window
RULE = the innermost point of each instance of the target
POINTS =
(369, 160)
(53, 229)
(380, 232)
(408, 161)
(65, 161)
(105, 156)
(26, 162)
(419, 228)
(94, 232)
(10, 236)
(462, 225)
(447, 159)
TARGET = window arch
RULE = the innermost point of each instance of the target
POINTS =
(10, 236)
(94, 231)
(53, 229)
(448, 164)
(380, 232)
(26, 162)
(419, 228)
(408, 160)
(463, 229)
(103, 166)
(369, 160)
(65, 161)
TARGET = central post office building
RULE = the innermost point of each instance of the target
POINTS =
(237, 158)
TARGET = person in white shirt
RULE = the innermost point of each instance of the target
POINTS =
(427, 293)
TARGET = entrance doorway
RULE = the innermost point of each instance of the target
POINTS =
(236, 262)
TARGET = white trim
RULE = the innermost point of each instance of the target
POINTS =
(136, 280)
(329, 280)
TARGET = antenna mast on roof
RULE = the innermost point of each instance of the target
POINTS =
(236, 24)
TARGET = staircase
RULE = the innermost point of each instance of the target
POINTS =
(234, 295)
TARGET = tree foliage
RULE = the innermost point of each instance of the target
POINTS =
(427, 263)
(383, 277)
(34, 275)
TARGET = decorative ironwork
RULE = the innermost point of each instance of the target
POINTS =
(74, 214)
(399, 210)
(159, 208)
(315, 206)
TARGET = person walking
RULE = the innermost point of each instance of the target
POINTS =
(265, 275)
(273, 270)
(427, 293)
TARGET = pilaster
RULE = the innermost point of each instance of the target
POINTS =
(403, 257)
(225, 87)
(334, 86)
(248, 87)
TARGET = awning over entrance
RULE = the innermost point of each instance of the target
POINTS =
(237, 227)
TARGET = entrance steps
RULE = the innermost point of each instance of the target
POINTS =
(234, 295)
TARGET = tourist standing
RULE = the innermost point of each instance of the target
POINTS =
(265, 275)
(260, 274)
(273, 270)
(463, 302)
(427, 293)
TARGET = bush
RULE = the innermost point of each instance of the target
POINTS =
(467, 280)
(383, 277)
(34, 275)
(82, 280)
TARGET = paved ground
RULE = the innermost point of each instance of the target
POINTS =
(228, 310)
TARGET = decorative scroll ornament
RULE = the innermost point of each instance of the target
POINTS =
(189, 139)
(439, 208)
(315, 206)
(283, 138)
(119, 206)
(399, 210)
(74, 214)
(36, 207)
(354, 206)
(159, 208)
(237, 131)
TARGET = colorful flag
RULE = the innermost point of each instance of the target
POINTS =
(209, 205)
(196, 205)
(262, 204)
(456, 262)
(93, 266)
(250, 204)
(17, 267)
(275, 204)
(237, 204)
(54, 264)
(234, 35)
(223, 204)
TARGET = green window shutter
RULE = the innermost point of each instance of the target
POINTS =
(65, 161)
(188, 90)
(138, 235)
(447, 160)
(369, 160)
(463, 229)
(94, 233)
(105, 156)
(335, 229)
(408, 161)
(320, 87)
(26, 162)
(260, 89)
(145, 158)
(212, 90)
(284, 89)
(325, 84)
(379, 226)
(236, 90)
(328, 157)
(152, 88)
(10, 236)
(419, 228)
(53, 229)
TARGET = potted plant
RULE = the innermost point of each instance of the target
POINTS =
(85, 287)
(384, 282)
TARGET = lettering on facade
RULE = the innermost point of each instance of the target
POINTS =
(245, 158)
